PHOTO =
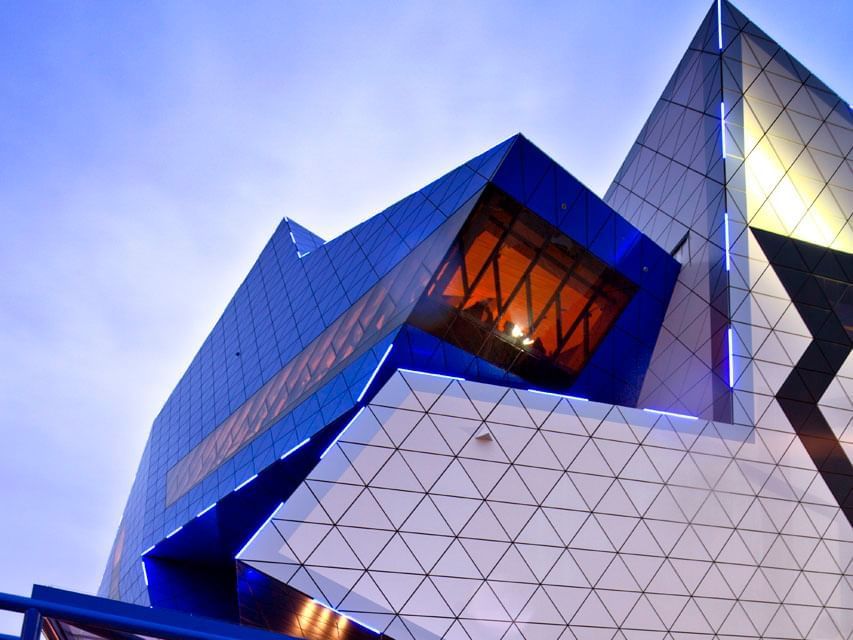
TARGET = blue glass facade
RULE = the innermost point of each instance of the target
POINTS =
(306, 329)
(499, 408)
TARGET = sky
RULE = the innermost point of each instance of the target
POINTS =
(148, 151)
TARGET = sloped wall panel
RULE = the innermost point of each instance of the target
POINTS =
(452, 509)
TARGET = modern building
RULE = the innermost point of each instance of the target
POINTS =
(506, 408)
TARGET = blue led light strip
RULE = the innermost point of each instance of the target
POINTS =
(174, 532)
(245, 482)
(671, 413)
(299, 446)
(731, 357)
(205, 510)
(258, 532)
(343, 431)
(559, 395)
(240, 486)
(375, 371)
(720, 24)
(434, 375)
(731, 364)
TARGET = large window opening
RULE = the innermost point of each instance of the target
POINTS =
(522, 295)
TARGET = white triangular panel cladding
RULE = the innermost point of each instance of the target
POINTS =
(573, 519)
(768, 335)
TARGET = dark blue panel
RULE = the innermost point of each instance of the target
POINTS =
(300, 285)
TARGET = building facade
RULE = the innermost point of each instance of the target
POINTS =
(506, 408)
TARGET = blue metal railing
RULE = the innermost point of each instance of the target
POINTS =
(90, 611)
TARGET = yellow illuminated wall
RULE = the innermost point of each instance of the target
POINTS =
(787, 151)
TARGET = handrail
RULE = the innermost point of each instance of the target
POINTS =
(34, 609)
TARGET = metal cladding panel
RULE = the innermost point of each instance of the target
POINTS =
(450, 508)
(671, 186)
(282, 308)
(744, 137)
(677, 525)
(288, 357)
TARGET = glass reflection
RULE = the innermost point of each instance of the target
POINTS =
(517, 292)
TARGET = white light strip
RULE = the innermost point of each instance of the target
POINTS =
(343, 431)
(144, 573)
(434, 375)
(375, 371)
(174, 532)
(299, 446)
(148, 550)
(720, 24)
(723, 126)
(558, 395)
(245, 482)
(205, 510)
(258, 532)
(728, 241)
(348, 617)
(671, 413)
(731, 357)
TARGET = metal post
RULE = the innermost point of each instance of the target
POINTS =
(31, 629)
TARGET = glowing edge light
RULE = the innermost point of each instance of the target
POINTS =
(205, 510)
(299, 446)
(144, 573)
(375, 371)
(559, 395)
(723, 127)
(720, 24)
(731, 358)
(348, 617)
(726, 234)
(343, 431)
(245, 482)
(258, 532)
(434, 375)
(671, 413)
(211, 506)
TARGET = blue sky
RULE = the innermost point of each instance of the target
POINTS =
(148, 150)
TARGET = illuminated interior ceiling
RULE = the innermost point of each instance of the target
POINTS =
(268, 603)
(520, 294)
(795, 179)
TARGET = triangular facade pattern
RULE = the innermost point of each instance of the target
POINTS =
(304, 240)
(671, 186)
(787, 170)
(786, 145)
(390, 390)
(296, 290)
(322, 314)
(789, 188)
(569, 519)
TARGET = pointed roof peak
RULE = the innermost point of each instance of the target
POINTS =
(304, 240)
